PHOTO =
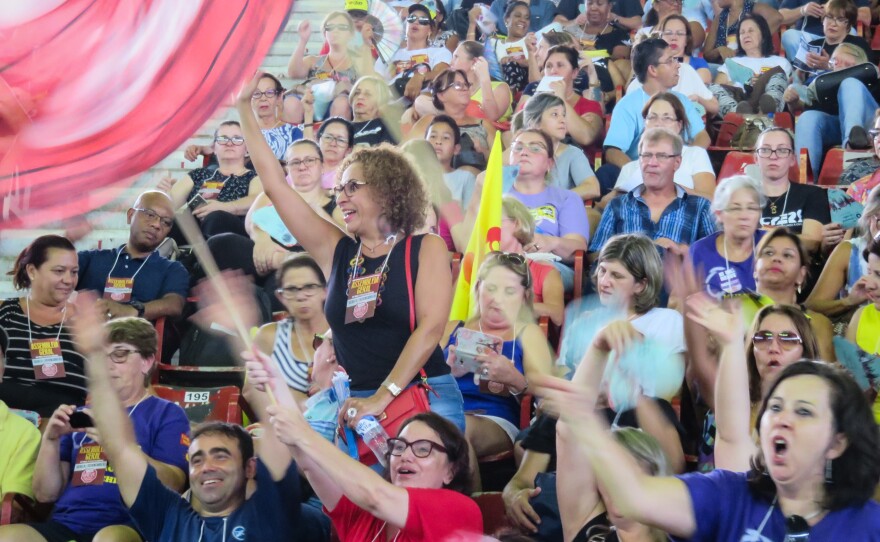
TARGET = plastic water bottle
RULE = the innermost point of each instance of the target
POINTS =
(375, 436)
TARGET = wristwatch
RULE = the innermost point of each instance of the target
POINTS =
(393, 388)
(139, 307)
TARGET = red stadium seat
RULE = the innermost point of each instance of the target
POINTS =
(494, 513)
(205, 404)
(833, 166)
(735, 161)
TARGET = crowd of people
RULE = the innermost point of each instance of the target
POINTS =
(666, 353)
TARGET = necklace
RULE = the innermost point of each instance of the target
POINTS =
(390, 239)
(784, 202)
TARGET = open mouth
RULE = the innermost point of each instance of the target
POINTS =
(346, 215)
(780, 447)
(212, 482)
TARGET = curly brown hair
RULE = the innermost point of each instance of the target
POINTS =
(394, 184)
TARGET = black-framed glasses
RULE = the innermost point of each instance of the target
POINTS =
(152, 216)
(333, 140)
(421, 448)
(120, 355)
(424, 21)
(332, 27)
(309, 162)
(290, 292)
(787, 340)
(796, 529)
(767, 152)
(225, 140)
(838, 20)
(350, 187)
(660, 156)
(271, 93)
(319, 339)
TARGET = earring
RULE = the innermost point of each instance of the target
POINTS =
(799, 288)
(829, 478)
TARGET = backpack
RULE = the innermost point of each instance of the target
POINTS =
(746, 135)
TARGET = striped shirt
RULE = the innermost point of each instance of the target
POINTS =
(685, 221)
(296, 372)
(15, 346)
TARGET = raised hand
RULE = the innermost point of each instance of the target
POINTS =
(248, 88)
(304, 30)
(725, 325)
(618, 335)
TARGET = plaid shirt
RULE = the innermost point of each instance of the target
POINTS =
(685, 221)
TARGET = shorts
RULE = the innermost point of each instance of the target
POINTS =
(53, 531)
(511, 430)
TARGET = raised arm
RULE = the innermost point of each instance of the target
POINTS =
(823, 299)
(317, 235)
(299, 65)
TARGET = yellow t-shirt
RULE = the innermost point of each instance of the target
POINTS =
(19, 443)
(478, 97)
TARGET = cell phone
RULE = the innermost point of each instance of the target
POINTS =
(197, 201)
(81, 420)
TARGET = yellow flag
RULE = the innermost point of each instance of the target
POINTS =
(485, 238)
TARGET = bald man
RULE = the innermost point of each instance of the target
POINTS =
(134, 279)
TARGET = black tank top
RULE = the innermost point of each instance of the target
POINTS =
(368, 350)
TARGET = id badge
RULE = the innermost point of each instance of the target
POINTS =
(362, 297)
(211, 190)
(732, 42)
(494, 388)
(118, 289)
(89, 466)
(46, 359)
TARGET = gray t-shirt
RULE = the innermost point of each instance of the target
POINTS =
(461, 183)
(572, 169)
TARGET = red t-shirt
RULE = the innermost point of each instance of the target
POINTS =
(439, 515)
(539, 272)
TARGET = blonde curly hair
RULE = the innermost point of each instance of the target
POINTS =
(394, 184)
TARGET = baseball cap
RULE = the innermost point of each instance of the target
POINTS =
(423, 9)
(359, 7)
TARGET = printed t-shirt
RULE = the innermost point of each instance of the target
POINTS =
(162, 432)
(726, 511)
(802, 202)
(440, 515)
(271, 514)
(723, 277)
(557, 212)
(405, 59)
(516, 49)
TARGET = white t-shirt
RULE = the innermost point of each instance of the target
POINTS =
(689, 83)
(405, 59)
(758, 65)
(693, 160)
(511, 48)
(663, 325)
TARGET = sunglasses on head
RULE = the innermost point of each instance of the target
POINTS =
(514, 260)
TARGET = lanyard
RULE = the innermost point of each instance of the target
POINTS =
(116, 261)
(27, 304)
(357, 259)
(727, 261)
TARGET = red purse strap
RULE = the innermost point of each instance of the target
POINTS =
(412, 297)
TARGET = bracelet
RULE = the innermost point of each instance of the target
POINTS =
(520, 392)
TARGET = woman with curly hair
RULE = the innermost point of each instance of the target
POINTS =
(388, 291)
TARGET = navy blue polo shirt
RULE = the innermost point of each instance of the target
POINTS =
(154, 276)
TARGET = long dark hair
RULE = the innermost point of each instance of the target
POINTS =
(766, 35)
(856, 472)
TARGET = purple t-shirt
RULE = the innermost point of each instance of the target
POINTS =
(558, 212)
(162, 432)
(726, 511)
(723, 277)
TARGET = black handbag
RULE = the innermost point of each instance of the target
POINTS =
(827, 85)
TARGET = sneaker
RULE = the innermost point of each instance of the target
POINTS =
(767, 104)
(745, 108)
(858, 139)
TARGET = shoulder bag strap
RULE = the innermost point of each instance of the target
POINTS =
(412, 297)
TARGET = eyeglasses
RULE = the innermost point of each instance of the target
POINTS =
(660, 156)
(332, 27)
(234, 140)
(796, 529)
(309, 162)
(153, 216)
(421, 448)
(787, 340)
(289, 292)
(747, 209)
(666, 119)
(766, 152)
(424, 21)
(874, 133)
(838, 20)
(676, 34)
(350, 187)
(319, 339)
(458, 85)
(670, 61)
(533, 148)
(271, 93)
(336, 141)
(120, 355)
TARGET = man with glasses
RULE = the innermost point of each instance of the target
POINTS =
(657, 69)
(73, 470)
(800, 207)
(416, 58)
(135, 279)
(658, 207)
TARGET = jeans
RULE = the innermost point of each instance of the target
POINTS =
(449, 404)
(817, 131)
(567, 273)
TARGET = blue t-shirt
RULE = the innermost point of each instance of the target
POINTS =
(158, 277)
(502, 406)
(162, 432)
(557, 212)
(698, 62)
(271, 514)
(627, 123)
(726, 511)
(723, 277)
